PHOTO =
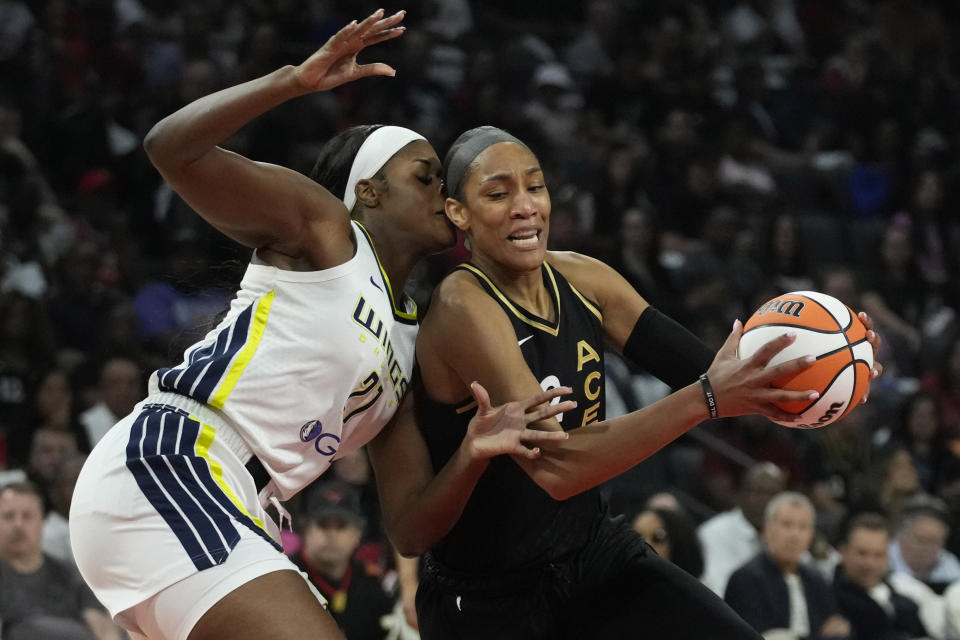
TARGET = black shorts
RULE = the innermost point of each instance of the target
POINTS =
(615, 587)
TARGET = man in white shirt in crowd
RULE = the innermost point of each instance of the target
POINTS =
(730, 538)
(919, 548)
(119, 387)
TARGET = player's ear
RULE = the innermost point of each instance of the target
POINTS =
(458, 213)
(366, 193)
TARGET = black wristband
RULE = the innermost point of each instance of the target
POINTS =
(708, 394)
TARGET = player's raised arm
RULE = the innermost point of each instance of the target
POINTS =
(260, 204)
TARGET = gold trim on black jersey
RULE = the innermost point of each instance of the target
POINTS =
(522, 314)
(591, 306)
(403, 316)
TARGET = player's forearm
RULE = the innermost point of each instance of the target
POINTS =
(595, 453)
(189, 133)
(428, 517)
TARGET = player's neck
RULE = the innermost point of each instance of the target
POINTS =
(525, 288)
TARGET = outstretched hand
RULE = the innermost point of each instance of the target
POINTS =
(335, 63)
(504, 428)
(747, 386)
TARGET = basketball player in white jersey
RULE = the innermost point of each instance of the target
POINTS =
(168, 521)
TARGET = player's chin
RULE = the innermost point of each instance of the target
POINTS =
(446, 233)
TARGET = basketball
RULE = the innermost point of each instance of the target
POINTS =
(827, 329)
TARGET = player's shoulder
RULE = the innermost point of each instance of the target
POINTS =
(582, 271)
(458, 298)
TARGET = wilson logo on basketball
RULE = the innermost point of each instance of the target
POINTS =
(786, 307)
(825, 418)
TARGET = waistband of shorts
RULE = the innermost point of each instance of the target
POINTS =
(226, 434)
(503, 582)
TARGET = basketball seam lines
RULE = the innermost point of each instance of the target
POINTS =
(830, 313)
(827, 388)
(793, 326)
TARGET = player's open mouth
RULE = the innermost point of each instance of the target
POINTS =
(526, 239)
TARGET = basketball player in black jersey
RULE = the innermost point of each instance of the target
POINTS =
(523, 546)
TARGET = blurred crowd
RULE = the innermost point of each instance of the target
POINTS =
(717, 153)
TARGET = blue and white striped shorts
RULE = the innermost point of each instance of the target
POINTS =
(165, 495)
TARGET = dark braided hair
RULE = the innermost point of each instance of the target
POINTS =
(332, 168)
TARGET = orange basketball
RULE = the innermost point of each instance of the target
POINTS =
(825, 328)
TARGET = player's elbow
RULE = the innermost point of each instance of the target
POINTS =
(411, 551)
(406, 541)
(409, 546)
(166, 148)
(557, 487)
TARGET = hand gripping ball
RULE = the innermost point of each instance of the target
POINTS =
(827, 329)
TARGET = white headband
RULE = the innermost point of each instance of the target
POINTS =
(376, 150)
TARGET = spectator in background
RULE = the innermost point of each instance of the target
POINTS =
(785, 257)
(731, 538)
(759, 439)
(944, 383)
(895, 294)
(638, 259)
(40, 598)
(48, 450)
(840, 461)
(920, 431)
(898, 483)
(25, 343)
(333, 526)
(717, 277)
(119, 388)
(354, 469)
(78, 301)
(56, 406)
(673, 535)
(56, 532)
(874, 607)
(918, 548)
(177, 309)
(774, 590)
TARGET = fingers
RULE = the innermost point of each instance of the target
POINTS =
(375, 69)
(875, 341)
(388, 22)
(732, 342)
(790, 367)
(536, 435)
(765, 353)
(785, 396)
(550, 410)
(370, 20)
(346, 32)
(376, 23)
(776, 413)
(545, 396)
(388, 34)
(481, 396)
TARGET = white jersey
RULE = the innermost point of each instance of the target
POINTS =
(305, 366)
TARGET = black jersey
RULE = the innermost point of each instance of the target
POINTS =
(510, 523)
